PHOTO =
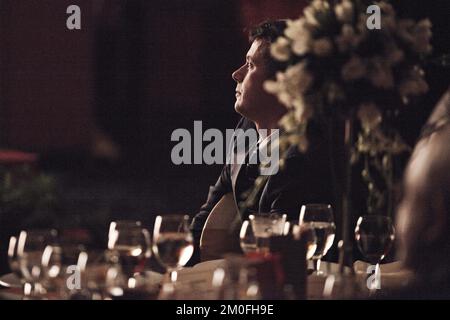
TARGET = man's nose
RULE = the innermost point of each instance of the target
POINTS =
(238, 75)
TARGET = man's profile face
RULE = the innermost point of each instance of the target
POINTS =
(252, 101)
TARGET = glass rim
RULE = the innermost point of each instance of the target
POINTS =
(125, 222)
(374, 217)
(173, 216)
(317, 205)
(271, 216)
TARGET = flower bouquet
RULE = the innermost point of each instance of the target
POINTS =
(354, 61)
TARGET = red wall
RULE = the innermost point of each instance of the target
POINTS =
(46, 74)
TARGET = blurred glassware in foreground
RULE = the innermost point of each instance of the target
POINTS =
(247, 238)
(13, 258)
(38, 260)
(131, 243)
(264, 226)
(319, 217)
(236, 279)
(306, 232)
(172, 242)
(374, 235)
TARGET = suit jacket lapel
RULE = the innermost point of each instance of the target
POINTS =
(238, 169)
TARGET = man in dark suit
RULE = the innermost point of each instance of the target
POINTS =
(305, 177)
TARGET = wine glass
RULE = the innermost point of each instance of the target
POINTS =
(65, 256)
(38, 260)
(131, 243)
(319, 217)
(309, 235)
(172, 242)
(101, 276)
(266, 225)
(13, 258)
(247, 238)
(374, 235)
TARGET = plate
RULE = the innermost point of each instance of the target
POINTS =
(10, 280)
(209, 265)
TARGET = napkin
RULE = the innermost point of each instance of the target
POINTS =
(393, 274)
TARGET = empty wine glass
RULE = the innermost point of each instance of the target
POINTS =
(247, 238)
(37, 260)
(374, 235)
(172, 242)
(131, 243)
(319, 217)
(13, 258)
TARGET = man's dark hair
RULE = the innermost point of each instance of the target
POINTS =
(269, 31)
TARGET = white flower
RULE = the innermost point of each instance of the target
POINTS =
(298, 79)
(300, 140)
(302, 111)
(290, 85)
(320, 5)
(394, 56)
(278, 88)
(310, 16)
(300, 35)
(347, 39)
(288, 122)
(421, 36)
(322, 47)
(311, 11)
(417, 35)
(380, 74)
(354, 69)
(280, 49)
(369, 115)
(413, 85)
(344, 11)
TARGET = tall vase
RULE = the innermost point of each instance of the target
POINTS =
(345, 246)
(344, 285)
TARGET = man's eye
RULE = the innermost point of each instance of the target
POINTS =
(249, 65)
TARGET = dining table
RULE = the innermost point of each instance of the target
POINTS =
(197, 283)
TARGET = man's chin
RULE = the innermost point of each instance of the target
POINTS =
(240, 109)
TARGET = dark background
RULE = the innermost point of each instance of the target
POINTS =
(136, 71)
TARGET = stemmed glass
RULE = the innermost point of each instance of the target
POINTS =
(37, 259)
(266, 225)
(172, 242)
(374, 235)
(130, 242)
(101, 276)
(247, 238)
(307, 233)
(319, 217)
(13, 258)
(302, 232)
